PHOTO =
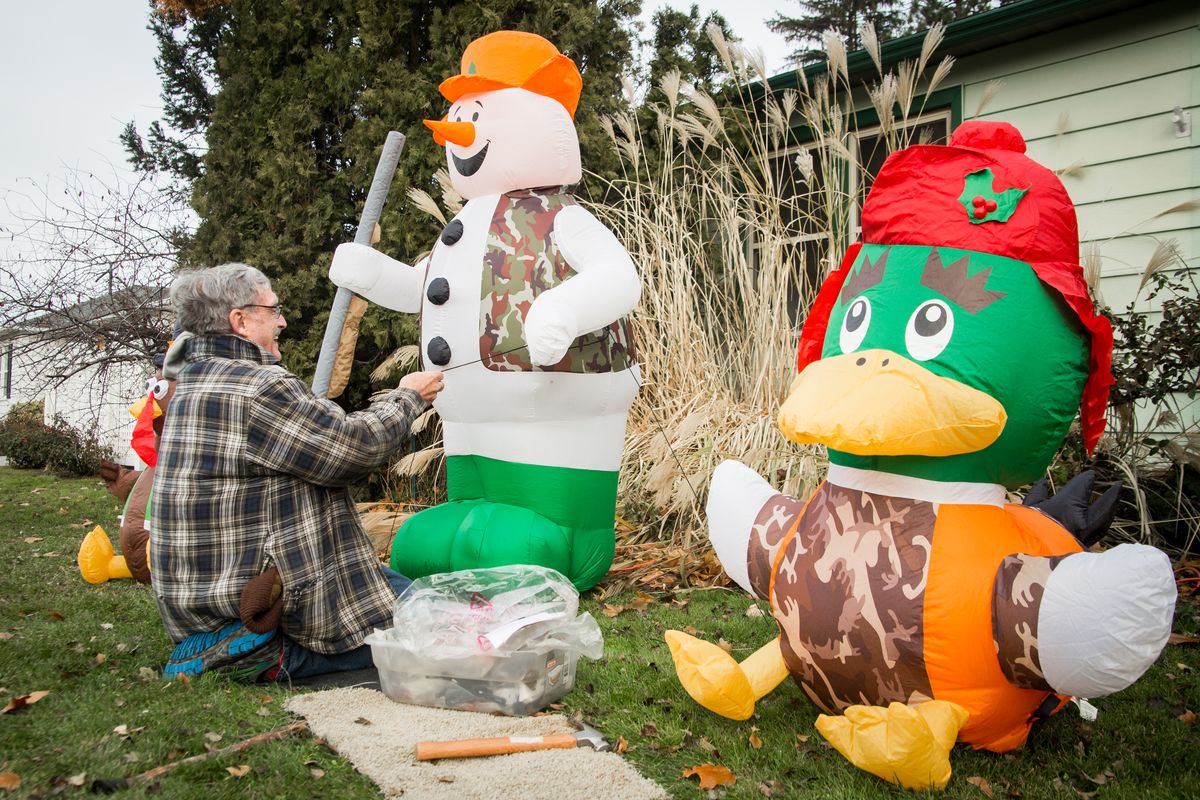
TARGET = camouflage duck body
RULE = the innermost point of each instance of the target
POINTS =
(883, 598)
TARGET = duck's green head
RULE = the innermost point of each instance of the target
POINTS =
(942, 364)
(958, 345)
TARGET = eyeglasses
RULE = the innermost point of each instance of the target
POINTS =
(276, 310)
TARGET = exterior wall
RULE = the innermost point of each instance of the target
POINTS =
(1095, 101)
(88, 400)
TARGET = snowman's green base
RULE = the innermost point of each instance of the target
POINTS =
(502, 512)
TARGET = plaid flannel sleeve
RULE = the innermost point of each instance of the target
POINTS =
(294, 432)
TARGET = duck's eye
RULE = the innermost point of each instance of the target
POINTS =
(855, 324)
(929, 330)
(159, 389)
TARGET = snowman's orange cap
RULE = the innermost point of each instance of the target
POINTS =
(516, 60)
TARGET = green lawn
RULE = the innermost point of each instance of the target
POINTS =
(94, 650)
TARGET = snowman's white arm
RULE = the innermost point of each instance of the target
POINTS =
(378, 278)
(605, 287)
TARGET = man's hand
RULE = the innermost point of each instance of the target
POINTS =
(426, 384)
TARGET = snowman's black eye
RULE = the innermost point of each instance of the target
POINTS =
(475, 117)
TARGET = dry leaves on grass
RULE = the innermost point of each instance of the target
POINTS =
(755, 740)
(17, 703)
(982, 785)
(240, 771)
(10, 781)
(711, 775)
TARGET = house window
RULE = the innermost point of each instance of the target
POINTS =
(7, 367)
(872, 150)
(813, 243)
(798, 173)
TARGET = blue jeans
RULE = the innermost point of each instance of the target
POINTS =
(300, 662)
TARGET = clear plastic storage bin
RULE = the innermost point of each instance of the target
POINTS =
(518, 683)
(504, 639)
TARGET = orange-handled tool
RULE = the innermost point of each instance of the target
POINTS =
(502, 745)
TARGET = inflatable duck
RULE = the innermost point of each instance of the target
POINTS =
(524, 302)
(97, 560)
(941, 363)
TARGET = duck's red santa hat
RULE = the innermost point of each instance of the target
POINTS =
(965, 195)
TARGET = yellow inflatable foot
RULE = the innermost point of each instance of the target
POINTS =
(720, 684)
(909, 746)
(97, 561)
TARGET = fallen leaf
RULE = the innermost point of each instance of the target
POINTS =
(691, 631)
(266, 698)
(362, 721)
(611, 610)
(77, 780)
(32, 539)
(726, 646)
(771, 789)
(10, 780)
(213, 737)
(100, 658)
(17, 703)
(641, 601)
(1182, 638)
(5, 635)
(239, 771)
(801, 739)
(982, 785)
(121, 730)
(108, 626)
(755, 740)
(622, 745)
(711, 775)
(57, 616)
(1188, 717)
(146, 675)
(755, 611)
(317, 773)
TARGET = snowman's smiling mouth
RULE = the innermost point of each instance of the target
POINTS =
(469, 166)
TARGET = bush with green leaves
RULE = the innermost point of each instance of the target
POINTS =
(28, 443)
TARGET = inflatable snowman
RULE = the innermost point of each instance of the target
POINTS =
(524, 302)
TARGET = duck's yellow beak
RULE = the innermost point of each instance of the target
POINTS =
(136, 409)
(461, 133)
(878, 403)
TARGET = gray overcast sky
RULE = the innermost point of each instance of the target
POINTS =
(75, 71)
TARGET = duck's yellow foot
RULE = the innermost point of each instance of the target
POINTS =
(720, 684)
(909, 746)
(97, 560)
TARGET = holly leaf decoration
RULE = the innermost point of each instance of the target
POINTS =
(985, 204)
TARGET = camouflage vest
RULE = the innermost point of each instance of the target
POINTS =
(521, 261)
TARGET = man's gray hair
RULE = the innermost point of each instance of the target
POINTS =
(203, 298)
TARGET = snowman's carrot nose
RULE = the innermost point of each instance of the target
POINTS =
(461, 133)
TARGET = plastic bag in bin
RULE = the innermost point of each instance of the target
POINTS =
(496, 611)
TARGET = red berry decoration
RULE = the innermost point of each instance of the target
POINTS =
(980, 213)
(977, 200)
(990, 205)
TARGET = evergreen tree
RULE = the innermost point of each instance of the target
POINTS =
(924, 13)
(293, 100)
(844, 17)
(680, 41)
